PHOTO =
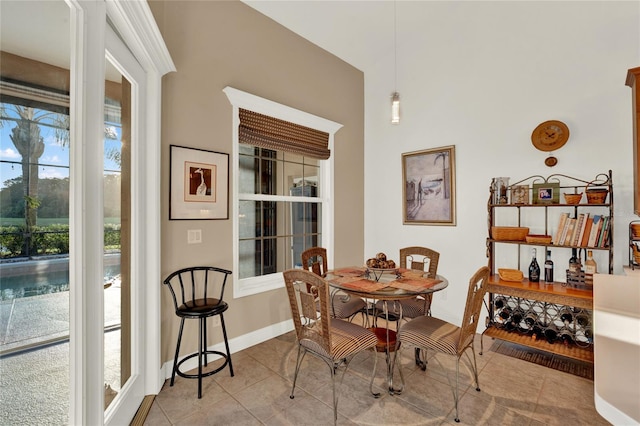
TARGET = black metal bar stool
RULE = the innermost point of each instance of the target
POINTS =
(197, 287)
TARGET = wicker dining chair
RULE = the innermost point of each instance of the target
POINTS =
(415, 257)
(427, 332)
(343, 306)
(334, 341)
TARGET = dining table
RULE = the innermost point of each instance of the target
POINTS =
(386, 285)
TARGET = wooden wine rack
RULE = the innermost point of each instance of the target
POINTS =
(523, 209)
(548, 299)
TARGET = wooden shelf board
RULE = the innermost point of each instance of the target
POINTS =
(557, 292)
(573, 351)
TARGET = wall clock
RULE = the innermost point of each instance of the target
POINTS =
(549, 136)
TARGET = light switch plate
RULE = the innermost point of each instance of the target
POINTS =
(194, 236)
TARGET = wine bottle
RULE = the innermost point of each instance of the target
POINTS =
(566, 337)
(590, 266)
(574, 262)
(531, 319)
(588, 333)
(534, 268)
(499, 302)
(536, 332)
(582, 319)
(566, 316)
(548, 268)
(516, 318)
(551, 333)
(505, 313)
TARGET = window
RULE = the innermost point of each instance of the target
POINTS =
(281, 200)
(280, 214)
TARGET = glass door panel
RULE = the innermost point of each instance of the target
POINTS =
(117, 350)
(34, 212)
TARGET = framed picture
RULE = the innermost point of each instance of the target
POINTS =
(199, 184)
(429, 187)
(520, 194)
(499, 187)
(546, 193)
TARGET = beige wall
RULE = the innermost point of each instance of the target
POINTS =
(215, 44)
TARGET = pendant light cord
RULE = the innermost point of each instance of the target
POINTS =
(395, 98)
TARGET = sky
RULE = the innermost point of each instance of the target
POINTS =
(54, 160)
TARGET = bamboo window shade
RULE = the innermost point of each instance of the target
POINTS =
(272, 133)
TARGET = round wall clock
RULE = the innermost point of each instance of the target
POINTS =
(550, 135)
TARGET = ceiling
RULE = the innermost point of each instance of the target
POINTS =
(359, 31)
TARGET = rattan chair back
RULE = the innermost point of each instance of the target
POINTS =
(305, 289)
(314, 259)
(417, 257)
(475, 295)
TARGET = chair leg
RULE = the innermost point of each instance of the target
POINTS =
(455, 393)
(201, 328)
(419, 361)
(373, 374)
(204, 340)
(226, 343)
(175, 358)
(298, 363)
(475, 367)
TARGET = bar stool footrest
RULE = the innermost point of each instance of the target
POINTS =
(208, 373)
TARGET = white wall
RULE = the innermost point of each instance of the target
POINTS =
(481, 76)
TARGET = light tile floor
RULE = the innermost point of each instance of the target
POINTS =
(513, 392)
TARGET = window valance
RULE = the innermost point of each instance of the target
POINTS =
(272, 133)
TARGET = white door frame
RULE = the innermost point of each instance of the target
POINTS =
(135, 24)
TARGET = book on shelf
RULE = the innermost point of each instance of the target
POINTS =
(604, 232)
(579, 232)
(595, 230)
(570, 230)
(587, 231)
(561, 223)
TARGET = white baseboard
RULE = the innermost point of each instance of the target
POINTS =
(235, 345)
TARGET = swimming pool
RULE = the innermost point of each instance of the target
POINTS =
(36, 277)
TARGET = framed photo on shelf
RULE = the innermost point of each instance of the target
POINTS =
(546, 193)
(520, 194)
(199, 184)
(429, 187)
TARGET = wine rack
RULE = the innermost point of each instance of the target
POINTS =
(534, 208)
(538, 320)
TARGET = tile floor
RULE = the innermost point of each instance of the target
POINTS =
(513, 392)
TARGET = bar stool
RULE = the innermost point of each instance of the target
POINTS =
(197, 287)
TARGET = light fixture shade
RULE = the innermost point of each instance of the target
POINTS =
(395, 108)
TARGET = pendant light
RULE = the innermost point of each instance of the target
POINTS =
(395, 97)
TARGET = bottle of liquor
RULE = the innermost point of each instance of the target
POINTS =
(534, 268)
(590, 266)
(574, 262)
(548, 268)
